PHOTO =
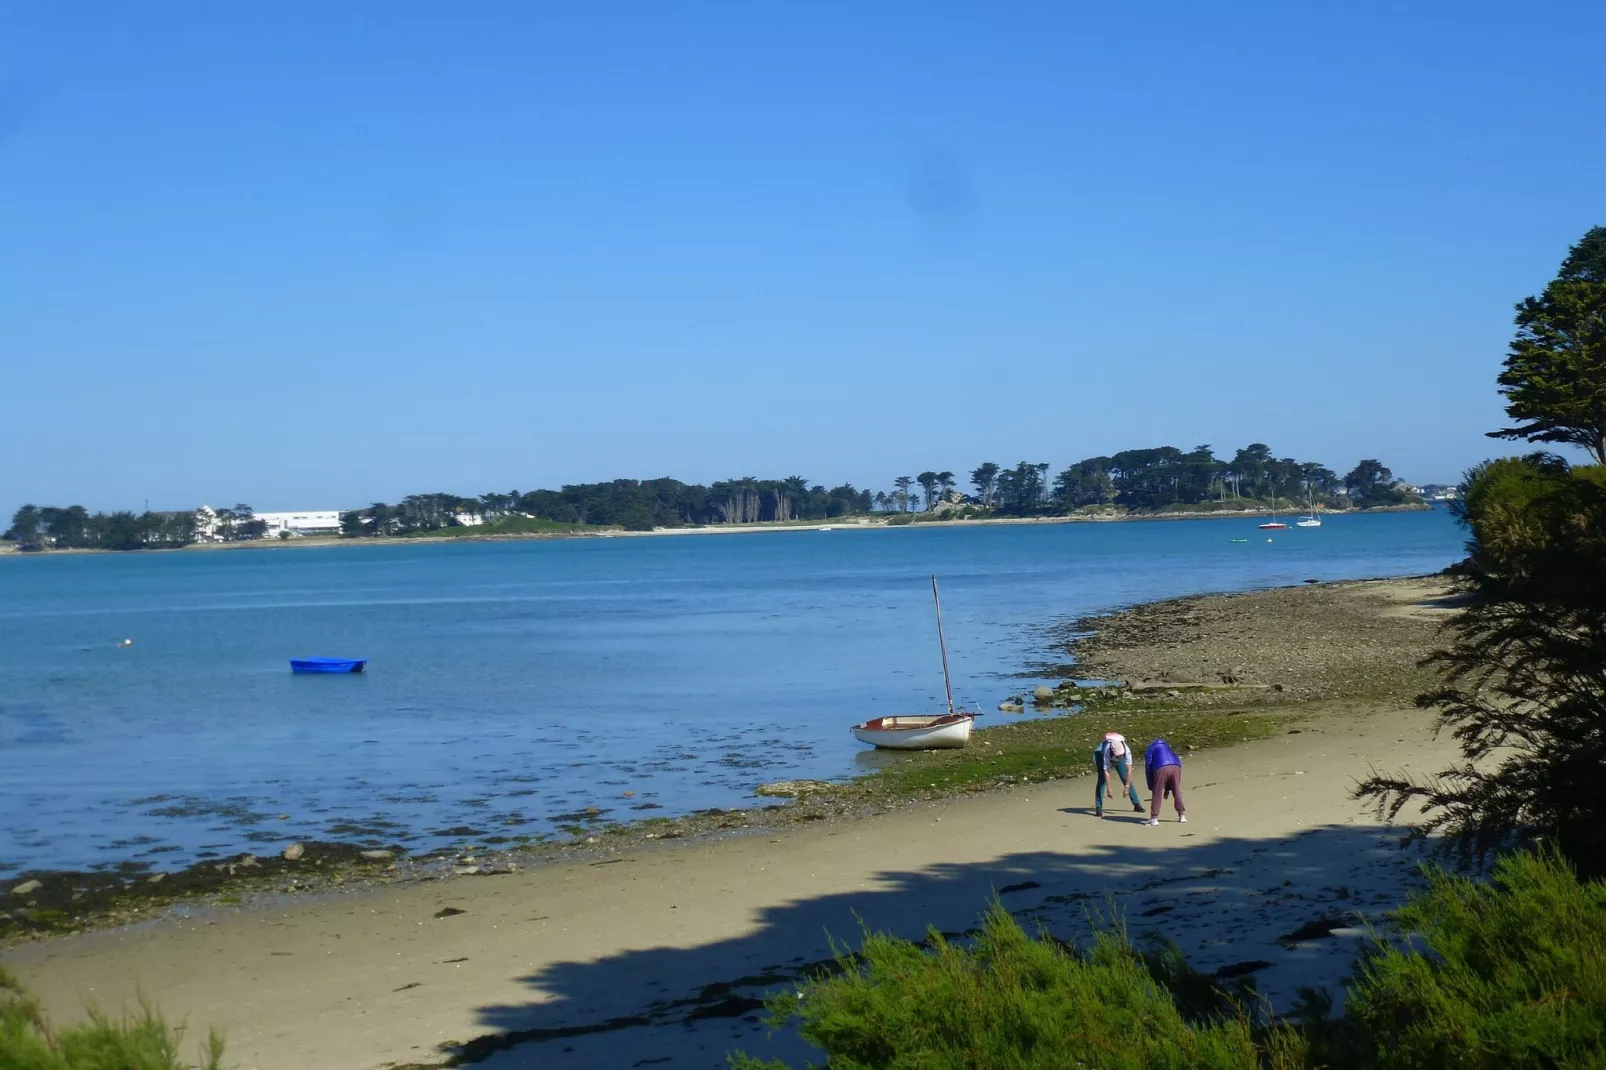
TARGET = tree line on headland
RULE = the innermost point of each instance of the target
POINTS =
(634, 505)
(1150, 479)
(1145, 479)
(1135, 479)
(75, 528)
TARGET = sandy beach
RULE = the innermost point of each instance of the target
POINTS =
(656, 954)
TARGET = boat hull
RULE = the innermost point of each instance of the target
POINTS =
(945, 732)
(1274, 527)
(1308, 524)
(327, 665)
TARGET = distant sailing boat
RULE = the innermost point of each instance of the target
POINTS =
(1274, 524)
(1310, 519)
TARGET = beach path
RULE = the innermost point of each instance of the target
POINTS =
(653, 957)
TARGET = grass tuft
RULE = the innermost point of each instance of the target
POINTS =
(138, 1040)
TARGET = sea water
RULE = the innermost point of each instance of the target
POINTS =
(513, 685)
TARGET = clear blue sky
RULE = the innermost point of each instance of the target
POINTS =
(309, 255)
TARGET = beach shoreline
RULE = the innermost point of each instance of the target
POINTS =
(1206, 699)
(454, 961)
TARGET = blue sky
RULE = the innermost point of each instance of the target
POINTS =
(310, 255)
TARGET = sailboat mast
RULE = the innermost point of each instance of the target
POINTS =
(942, 645)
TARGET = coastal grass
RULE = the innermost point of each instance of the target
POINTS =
(1008, 1000)
(1503, 974)
(137, 1040)
(1052, 748)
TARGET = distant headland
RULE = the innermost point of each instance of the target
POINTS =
(1134, 484)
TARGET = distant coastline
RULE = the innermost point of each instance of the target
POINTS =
(1159, 482)
(875, 523)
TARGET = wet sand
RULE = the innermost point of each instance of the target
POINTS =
(1348, 641)
(657, 955)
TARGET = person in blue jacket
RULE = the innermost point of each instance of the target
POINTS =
(1163, 770)
(1114, 754)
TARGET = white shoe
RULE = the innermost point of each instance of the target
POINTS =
(1152, 821)
(1183, 818)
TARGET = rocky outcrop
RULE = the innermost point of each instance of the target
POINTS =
(792, 789)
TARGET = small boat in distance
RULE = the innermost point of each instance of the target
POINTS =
(922, 731)
(327, 664)
(1310, 519)
(1274, 524)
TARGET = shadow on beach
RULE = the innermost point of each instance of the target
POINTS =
(1287, 912)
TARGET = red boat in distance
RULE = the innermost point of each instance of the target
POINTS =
(1274, 524)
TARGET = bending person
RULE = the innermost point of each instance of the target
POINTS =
(1163, 770)
(1113, 753)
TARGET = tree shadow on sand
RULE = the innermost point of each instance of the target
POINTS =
(1287, 912)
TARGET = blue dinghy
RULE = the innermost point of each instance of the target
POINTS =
(327, 664)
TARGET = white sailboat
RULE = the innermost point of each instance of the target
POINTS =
(922, 731)
(1310, 519)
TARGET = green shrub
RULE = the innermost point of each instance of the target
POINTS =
(1500, 975)
(1504, 974)
(1014, 1003)
(133, 1041)
(1524, 673)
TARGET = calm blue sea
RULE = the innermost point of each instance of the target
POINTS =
(513, 683)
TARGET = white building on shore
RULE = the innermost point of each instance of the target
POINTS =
(313, 522)
(209, 527)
